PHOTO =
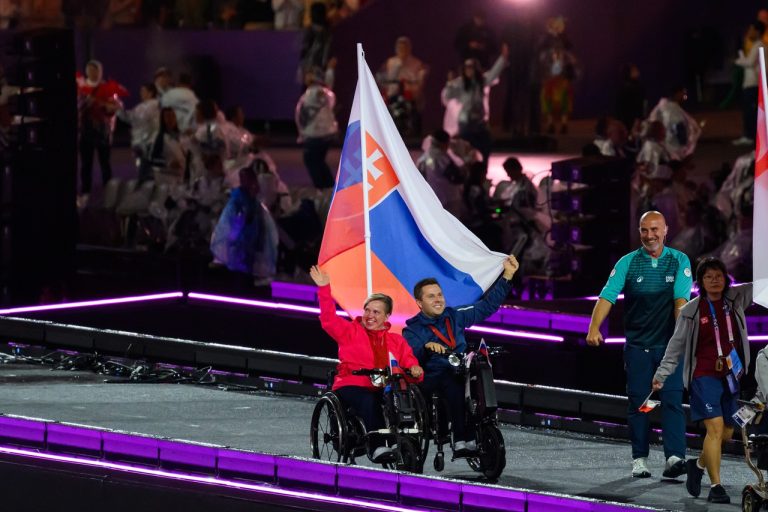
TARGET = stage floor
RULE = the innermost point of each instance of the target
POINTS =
(537, 459)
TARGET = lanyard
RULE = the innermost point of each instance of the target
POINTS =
(717, 328)
(450, 340)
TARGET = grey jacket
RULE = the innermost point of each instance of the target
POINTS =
(686, 336)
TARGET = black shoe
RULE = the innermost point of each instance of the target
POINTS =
(675, 469)
(693, 482)
(717, 494)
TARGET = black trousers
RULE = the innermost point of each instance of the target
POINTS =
(749, 111)
(315, 150)
(91, 141)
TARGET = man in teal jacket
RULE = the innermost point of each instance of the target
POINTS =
(656, 281)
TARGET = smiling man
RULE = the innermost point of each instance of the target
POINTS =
(439, 328)
(656, 281)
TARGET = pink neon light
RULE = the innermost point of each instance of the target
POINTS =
(517, 334)
(758, 337)
(595, 297)
(207, 480)
(316, 311)
(259, 303)
(88, 303)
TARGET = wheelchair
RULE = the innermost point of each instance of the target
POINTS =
(337, 434)
(481, 406)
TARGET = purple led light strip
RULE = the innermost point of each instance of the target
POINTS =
(206, 480)
(89, 303)
(517, 334)
(252, 303)
(259, 303)
(753, 338)
(316, 311)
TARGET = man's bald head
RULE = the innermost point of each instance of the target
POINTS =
(652, 215)
(653, 230)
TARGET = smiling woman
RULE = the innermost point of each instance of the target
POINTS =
(364, 343)
(711, 340)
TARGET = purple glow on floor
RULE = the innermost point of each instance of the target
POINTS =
(206, 480)
(92, 303)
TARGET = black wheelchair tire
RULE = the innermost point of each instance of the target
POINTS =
(750, 501)
(439, 462)
(410, 456)
(328, 430)
(493, 457)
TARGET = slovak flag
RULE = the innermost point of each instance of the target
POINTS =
(386, 236)
(483, 349)
(760, 211)
(392, 363)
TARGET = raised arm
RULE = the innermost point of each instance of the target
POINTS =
(485, 307)
(492, 75)
(337, 327)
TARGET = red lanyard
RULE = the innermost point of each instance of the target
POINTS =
(450, 340)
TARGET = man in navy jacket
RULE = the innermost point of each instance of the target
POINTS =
(439, 328)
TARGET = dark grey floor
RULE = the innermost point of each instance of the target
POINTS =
(536, 459)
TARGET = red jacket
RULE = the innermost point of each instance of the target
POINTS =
(355, 350)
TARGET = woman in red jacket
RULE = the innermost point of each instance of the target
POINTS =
(363, 343)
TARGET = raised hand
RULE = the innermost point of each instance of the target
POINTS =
(318, 276)
(510, 266)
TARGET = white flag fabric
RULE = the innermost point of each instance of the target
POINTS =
(411, 235)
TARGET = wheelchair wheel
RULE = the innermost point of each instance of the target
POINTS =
(327, 433)
(410, 456)
(439, 462)
(750, 501)
(422, 423)
(492, 457)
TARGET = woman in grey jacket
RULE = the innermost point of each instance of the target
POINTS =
(711, 338)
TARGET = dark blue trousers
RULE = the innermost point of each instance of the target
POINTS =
(641, 365)
(366, 404)
(451, 389)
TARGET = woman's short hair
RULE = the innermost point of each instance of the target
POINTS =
(711, 263)
(386, 299)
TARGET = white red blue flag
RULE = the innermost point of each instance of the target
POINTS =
(483, 348)
(759, 233)
(393, 232)
(393, 362)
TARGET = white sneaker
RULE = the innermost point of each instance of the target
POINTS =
(471, 445)
(459, 446)
(640, 468)
(742, 141)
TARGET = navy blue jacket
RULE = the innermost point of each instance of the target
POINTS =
(418, 333)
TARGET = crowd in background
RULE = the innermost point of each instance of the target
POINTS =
(170, 14)
(204, 183)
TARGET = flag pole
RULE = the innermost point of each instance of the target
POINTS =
(364, 159)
